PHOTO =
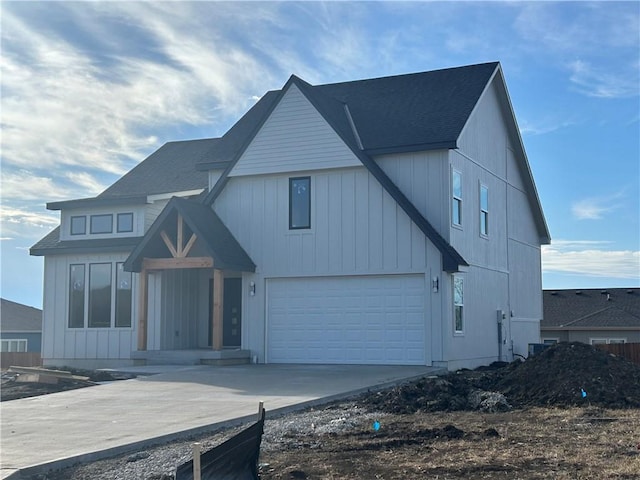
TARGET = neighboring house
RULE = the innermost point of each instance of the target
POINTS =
(593, 315)
(20, 327)
(385, 221)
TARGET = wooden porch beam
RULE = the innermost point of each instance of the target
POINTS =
(218, 293)
(173, 263)
(143, 301)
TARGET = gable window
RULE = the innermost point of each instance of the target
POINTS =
(101, 223)
(124, 222)
(78, 225)
(99, 295)
(76, 296)
(456, 192)
(299, 203)
(458, 304)
(484, 211)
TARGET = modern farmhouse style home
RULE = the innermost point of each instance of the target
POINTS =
(383, 221)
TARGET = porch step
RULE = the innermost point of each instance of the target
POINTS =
(191, 357)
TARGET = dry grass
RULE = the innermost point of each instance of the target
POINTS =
(576, 443)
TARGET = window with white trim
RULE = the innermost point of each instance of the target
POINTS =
(484, 211)
(14, 345)
(602, 341)
(458, 304)
(456, 194)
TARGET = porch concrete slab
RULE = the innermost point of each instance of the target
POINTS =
(56, 430)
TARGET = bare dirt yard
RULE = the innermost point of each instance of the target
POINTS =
(570, 412)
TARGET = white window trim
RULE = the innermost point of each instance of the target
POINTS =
(5, 345)
(607, 340)
(550, 339)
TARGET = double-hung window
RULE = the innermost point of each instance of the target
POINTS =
(299, 203)
(484, 211)
(456, 198)
(458, 304)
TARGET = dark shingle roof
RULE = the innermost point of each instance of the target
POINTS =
(214, 239)
(171, 168)
(585, 308)
(16, 317)
(414, 111)
(51, 245)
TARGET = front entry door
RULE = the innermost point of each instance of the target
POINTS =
(231, 311)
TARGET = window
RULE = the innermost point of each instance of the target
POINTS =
(550, 341)
(299, 203)
(456, 191)
(78, 225)
(76, 296)
(124, 222)
(602, 341)
(14, 345)
(102, 223)
(123, 296)
(99, 295)
(484, 210)
(458, 304)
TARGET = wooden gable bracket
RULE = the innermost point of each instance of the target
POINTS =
(179, 250)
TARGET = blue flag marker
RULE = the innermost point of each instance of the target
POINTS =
(584, 394)
(376, 425)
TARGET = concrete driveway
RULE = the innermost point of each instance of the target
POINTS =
(55, 430)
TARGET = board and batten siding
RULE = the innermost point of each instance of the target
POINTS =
(356, 227)
(423, 178)
(82, 347)
(295, 137)
(505, 265)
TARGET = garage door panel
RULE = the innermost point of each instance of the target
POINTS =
(367, 319)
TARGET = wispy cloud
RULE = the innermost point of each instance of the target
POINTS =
(601, 81)
(591, 259)
(595, 208)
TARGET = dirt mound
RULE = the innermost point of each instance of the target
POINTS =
(572, 374)
(566, 374)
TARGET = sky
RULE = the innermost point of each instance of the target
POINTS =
(90, 89)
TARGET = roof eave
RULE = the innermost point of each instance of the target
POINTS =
(97, 202)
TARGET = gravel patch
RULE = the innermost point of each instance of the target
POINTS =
(290, 431)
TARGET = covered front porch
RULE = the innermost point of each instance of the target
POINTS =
(190, 289)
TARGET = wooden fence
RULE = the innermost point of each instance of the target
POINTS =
(630, 351)
(22, 359)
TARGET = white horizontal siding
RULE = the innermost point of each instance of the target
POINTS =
(295, 137)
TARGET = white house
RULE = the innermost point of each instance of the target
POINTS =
(383, 221)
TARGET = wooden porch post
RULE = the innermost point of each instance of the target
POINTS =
(218, 293)
(143, 301)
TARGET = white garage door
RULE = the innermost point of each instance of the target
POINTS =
(347, 320)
